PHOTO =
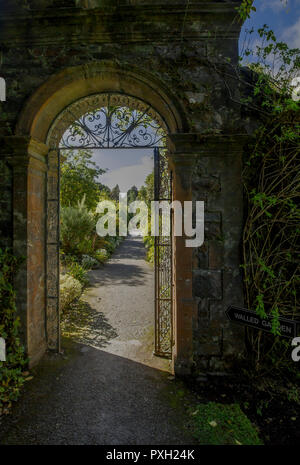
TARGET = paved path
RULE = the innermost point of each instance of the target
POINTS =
(123, 292)
(107, 389)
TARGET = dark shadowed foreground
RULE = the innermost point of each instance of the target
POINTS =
(106, 388)
(93, 397)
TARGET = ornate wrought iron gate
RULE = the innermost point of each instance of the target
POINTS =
(163, 260)
(112, 120)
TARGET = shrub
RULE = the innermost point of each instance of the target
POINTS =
(86, 247)
(70, 290)
(149, 244)
(89, 262)
(101, 255)
(77, 226)
(111, 243)
(11, 378)
(78, 272)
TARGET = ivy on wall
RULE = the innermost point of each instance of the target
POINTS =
(272, 193)
(271, 231)
(11, 371)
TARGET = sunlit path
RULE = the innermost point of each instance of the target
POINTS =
(123, 292)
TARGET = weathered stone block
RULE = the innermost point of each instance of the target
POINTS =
(52, 221)
(207, 184)
(207, 284)
(209, 349)
(212, 230)
(52, 323)
(203, 310)
(216, 254)
(201, 257)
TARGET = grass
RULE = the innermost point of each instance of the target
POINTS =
(220, 424)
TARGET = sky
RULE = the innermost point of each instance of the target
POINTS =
(130, 167)
(282, 16)
(126, 167)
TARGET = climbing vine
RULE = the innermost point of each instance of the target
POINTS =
(271, 186)
(271, 230)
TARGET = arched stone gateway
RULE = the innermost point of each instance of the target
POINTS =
(97, 122)
(167, 60)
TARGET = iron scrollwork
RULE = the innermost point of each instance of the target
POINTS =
(116, 121)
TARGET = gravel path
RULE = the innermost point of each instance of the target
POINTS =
(107, 389)
(123, 292)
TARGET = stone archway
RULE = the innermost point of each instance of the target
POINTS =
(37, 147)
(95, 118)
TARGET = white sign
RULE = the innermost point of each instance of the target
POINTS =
(2, 350)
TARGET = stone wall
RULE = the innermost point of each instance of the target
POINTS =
(190, 48)
(217, 274)
(6, 207)
(181, 47)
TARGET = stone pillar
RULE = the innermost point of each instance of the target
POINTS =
(208, 278)
(28, 159)
(217, 277)
(52, 282)
(182, 163)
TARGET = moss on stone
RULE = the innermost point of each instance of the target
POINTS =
(219, 424)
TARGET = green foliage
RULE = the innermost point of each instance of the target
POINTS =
(77, 228)
(271, 185)
(111, 243)
(105, 192)
(149, 244)
(132, 194)
(88, 262)
(78, 272)
(101, 255)
(275, 65)
(11, 378)
(114, 195)
(218, 424)
(70, 290)
(146, 193)
(81, 248)
(245, 9)
(79, 176)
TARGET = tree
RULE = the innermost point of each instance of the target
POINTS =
(115, 193)
(142, 195)
(104, 190)
(132, 194)
(78, 178)
(146, 192)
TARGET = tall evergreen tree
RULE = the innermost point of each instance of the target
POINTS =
(115, 192)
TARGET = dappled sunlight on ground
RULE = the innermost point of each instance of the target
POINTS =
(116, 312)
